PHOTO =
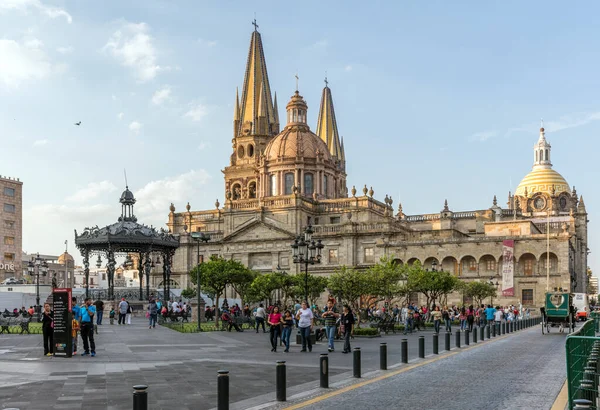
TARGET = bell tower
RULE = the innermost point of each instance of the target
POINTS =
(255, 123)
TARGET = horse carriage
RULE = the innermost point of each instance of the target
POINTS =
(558, 311)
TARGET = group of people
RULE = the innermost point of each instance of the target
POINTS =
(301, 316)
(26, 313)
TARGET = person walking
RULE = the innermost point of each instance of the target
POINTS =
(462, 316)
(260, 318)
(436, 315)
(347, 323)
(305, 319)
(48, 329)
(288, 325)
(129, 313)
(76, 318)
(123, 305)
(88, 312)
(111, 315)
(447, 320)
(274, 320)
(99, 311)
(470, 318)
(330, 316)
(152, 314)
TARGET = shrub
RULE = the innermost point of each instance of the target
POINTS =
(366, 331)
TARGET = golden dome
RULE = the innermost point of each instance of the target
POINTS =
(61, 258)
(542, 180)
(296, 141)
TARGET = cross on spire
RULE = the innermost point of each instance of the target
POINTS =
(326, 82)
(255, 25)
(297, 78)
(542, 121)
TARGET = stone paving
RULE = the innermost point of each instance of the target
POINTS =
(179, 368)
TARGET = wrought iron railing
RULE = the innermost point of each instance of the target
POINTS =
(583, 363)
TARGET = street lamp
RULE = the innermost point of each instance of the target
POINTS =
(434, 266)
(199, 237)
(305, 250)
(491, 282)
(36, 267)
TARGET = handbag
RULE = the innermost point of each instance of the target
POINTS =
(147, 315)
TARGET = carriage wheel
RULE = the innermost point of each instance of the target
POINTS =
(543, 327)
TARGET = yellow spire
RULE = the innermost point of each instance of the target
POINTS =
(275, 109)
(327, 125)
(256, 91)
(236, 110)
(342, 151)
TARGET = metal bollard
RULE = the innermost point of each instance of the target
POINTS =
(466, 337)
(140, 397)
(356, 362)
(581, 404)
(404, 350)
(383, 356)
(223, 390)
(447, 341)
(324, 366)
(482, 333)
(435, 343)
(475, 336)
(487, 331)
(586, 391)
(422, 347)
(503, 328)
(494, 329)
(457, 339)
(280, 380)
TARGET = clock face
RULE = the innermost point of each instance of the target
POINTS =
(539, 203)
(563, 203)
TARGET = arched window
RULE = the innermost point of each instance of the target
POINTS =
(308, 184)
(325, 181)
(252, 190)
(273, 185)
(536, 156)
(289, 183)
(546, 155)
(236, 191)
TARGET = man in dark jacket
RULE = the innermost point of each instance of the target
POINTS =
(99, 311)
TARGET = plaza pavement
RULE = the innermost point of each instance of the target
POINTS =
(180, 369)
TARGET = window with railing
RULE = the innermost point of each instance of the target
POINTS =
(308, 184)
(369, 255)
(333, 256)
(528, 267)
(289, 183)
(527, 296)
(490, 265)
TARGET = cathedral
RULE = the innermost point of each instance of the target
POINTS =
(279, 181)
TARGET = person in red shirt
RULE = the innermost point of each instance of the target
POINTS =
(274, 320)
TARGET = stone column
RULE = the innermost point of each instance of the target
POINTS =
(110, 272)
(86, 270)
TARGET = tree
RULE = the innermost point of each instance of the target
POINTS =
(215, 275)
(480, 291)
(263, 286)
(316, 286)
(387, 279)
(350, 285)
(188, 293)
(432, 284)
(241, 280)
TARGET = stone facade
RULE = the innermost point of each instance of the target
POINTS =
(11, 227)
(257, 226)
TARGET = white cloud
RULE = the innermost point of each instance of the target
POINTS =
(23, 62)
(120, 115)
(483, 136)
(134, 48)
(196, 112)
(154, 198)
(135, 127)
(348, 68)
(91, 191)
(564, 122)
(26, 5)
(39, 143)
(203, 145)
(162, 95)
(65, 50)
(207, 43)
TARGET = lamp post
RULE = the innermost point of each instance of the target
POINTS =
(35, 267)
(491, 282)
(199, 237)
(308, 252)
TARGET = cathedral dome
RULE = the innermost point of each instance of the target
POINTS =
(296, 140)
(63, 257)
(542, 177)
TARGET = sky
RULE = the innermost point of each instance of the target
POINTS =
(435, 100)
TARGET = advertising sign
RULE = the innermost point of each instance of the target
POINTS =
(63, 341)
(508, 267)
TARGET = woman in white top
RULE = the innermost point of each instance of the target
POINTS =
(304, 317)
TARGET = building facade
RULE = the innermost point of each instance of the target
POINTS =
(279, 181)
(61, 269)
(11, 227)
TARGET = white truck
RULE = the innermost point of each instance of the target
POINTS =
(581, 302)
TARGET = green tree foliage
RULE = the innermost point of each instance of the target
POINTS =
(479, 291)
(350, 285)
(434, 285)
(316, 286)
(387, 280)
(188, 293)
(241, 281)
(264, 285)
(215, 275)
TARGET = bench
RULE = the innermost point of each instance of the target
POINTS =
(174, 317)
(385, 324)
(243, 322)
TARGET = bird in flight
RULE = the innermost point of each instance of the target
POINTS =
(78, 123)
